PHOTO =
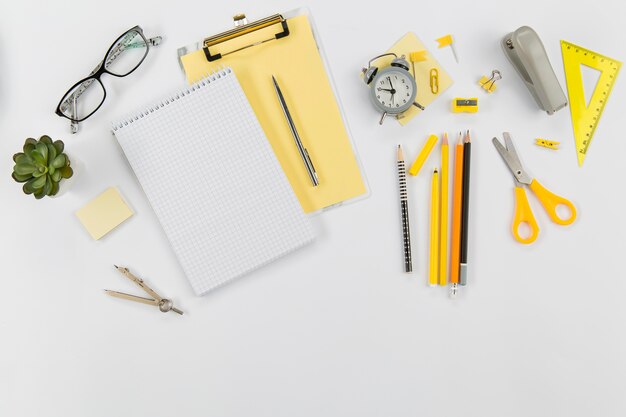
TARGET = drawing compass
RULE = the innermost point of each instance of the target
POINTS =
(164, 304)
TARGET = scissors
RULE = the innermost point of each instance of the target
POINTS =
(523, 212)
(164, 304)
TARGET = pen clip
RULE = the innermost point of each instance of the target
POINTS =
(312, 170)
(310, 162)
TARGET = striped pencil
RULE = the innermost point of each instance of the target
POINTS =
(404, 207)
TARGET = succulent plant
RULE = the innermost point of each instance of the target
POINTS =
(41, 166)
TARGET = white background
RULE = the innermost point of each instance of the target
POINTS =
(336, 329)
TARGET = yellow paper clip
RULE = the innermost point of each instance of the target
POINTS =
(434, 80)
(465, 105)
(550, 144)
(489, 84)
(417, 56)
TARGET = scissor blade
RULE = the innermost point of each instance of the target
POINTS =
(511, 159)
(510, 147)
(130, 297)
(506, 156)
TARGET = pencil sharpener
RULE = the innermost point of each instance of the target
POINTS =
(465, 105)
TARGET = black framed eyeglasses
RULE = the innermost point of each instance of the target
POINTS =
(124, 56)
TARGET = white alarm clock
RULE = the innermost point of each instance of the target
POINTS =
(392, 89)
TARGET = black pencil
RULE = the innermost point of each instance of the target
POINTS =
(404, 207)
(467, 149)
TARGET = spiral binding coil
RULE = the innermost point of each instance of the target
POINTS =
(208, 79)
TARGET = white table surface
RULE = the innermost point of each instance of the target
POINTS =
(337, 329)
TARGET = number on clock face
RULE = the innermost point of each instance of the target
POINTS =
(393, 90)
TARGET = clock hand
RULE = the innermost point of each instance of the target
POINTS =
(392, 91)
(384, 89)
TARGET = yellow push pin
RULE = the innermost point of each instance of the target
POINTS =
(448, 41)
(489, 84)
(417, 56)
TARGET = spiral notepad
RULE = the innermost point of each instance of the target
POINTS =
(213, 181)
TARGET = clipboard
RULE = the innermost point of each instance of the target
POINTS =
(286, 46)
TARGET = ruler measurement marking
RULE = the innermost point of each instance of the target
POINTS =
(591, 112)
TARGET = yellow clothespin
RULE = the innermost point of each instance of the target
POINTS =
(417, 56)
(448, 41)
(550, 144)
(465, 105)
(489, 84)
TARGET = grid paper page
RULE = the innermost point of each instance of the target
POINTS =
(214, 182)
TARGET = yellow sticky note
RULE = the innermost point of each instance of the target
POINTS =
(104, 213)
(405, 46)
(444, 41)
(296, 63)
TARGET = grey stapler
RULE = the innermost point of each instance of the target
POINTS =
(525, 51)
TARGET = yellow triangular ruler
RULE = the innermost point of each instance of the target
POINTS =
(585, 117)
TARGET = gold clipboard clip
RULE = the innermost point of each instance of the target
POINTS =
(242, 27)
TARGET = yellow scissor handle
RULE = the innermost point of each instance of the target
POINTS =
(551, 201)
(523, 214)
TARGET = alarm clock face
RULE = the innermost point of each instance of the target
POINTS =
(393, 90)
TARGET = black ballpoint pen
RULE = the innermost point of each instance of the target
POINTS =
(304, 154)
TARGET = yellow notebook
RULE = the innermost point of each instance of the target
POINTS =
(296, 63)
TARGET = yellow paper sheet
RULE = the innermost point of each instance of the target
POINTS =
(411, 43)
(104, 213)
(299, 70)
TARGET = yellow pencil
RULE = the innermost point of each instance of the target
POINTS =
(433, 278)
(443, 218)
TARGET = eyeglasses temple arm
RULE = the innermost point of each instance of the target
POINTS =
(119, 48)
